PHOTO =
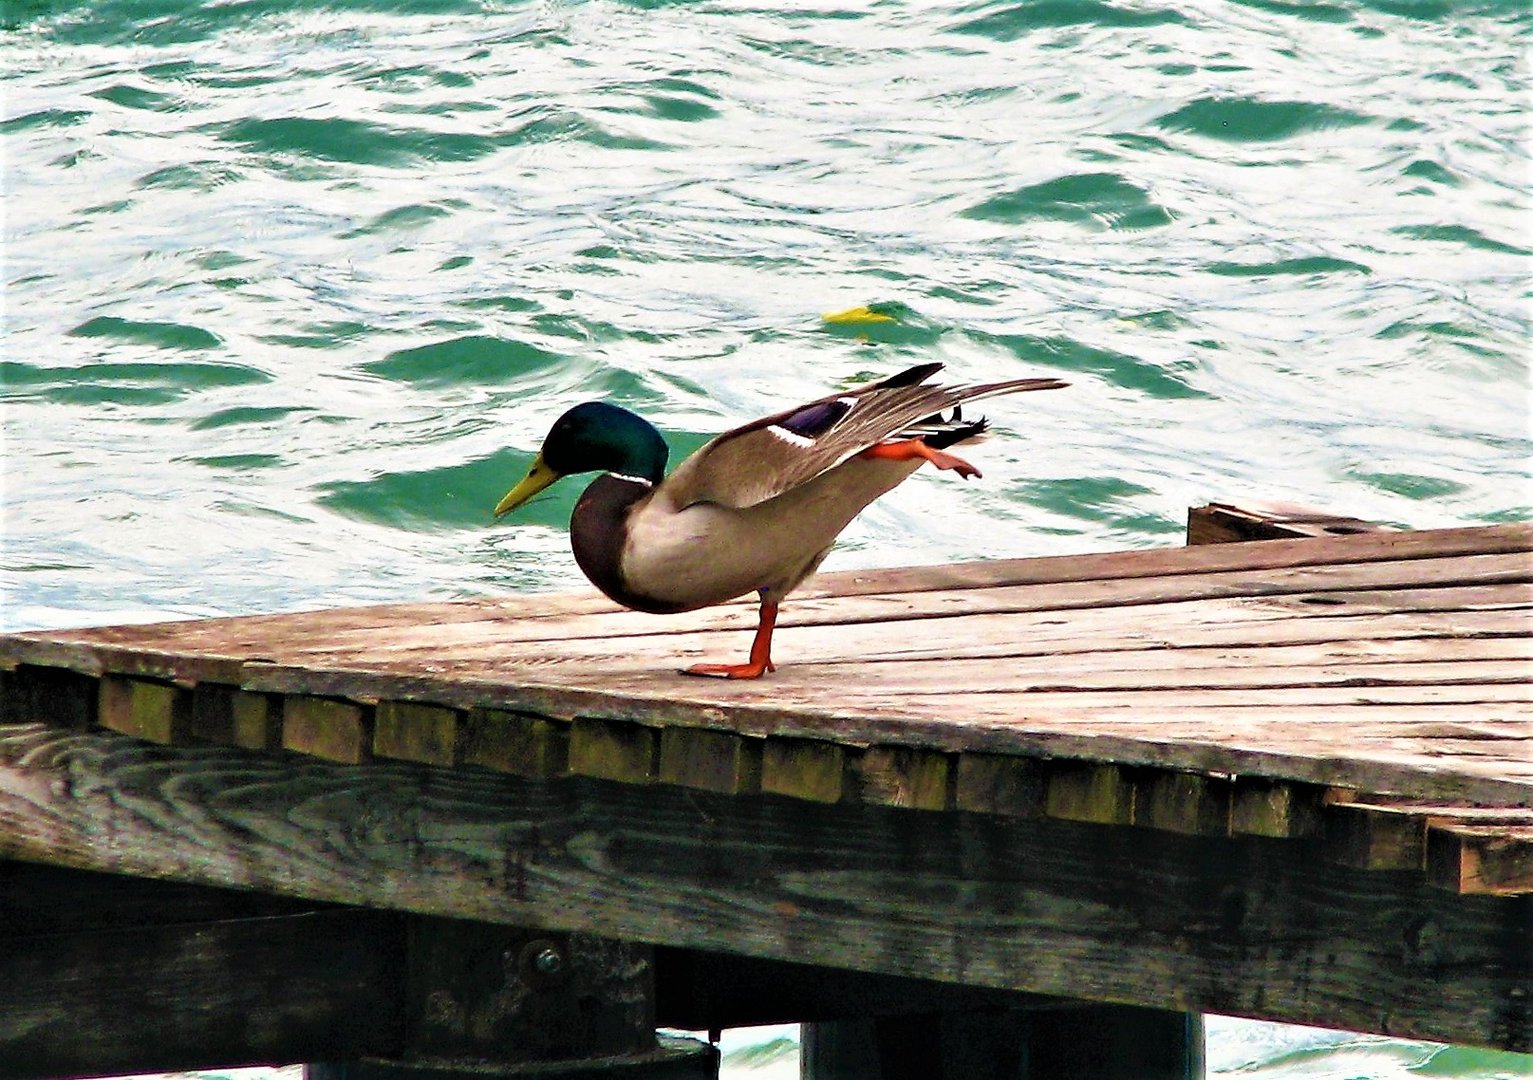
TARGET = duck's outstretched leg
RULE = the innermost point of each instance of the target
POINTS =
(913, 449)
(761, 652)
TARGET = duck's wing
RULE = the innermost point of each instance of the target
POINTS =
(766, 457)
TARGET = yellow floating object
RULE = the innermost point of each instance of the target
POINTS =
(857, 315)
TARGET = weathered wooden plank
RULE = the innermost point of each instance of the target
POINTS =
(416, 732)
(1509, 569)
(256, 720)
(163, 650)
(699, 991)
(1231, 624)
(243, 639)
(501, 996)
(1206, 672)
(1245, 927)
(561, 693)
(1001, 784)
(809, 769)
(1270, 555)
(1357, 835)
(230, 977)
(1374, 835)
(518, 743)
(159, 712)
(1226, 731)
(1297, 641)
(1262, 807)
(87, 961)
(327, 728)
(1502, 702)
(1081, 623)
(903, 776)
(1223, 523)
(1490, 859)
(614, 750)
(934, 711)
(1184, 803)
(1102, 794)
(29, 694)
(711, 760)
(1205, 624)
(246, 636)
(1434, 812)
(1220, 702)
(213, 713)
(564, 693)
(495, 661)
(230, 716)
(218, 993)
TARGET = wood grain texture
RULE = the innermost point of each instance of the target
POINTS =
(1270, 569)
(1244, 926)
(902, 776)
(326, 728)
(1493, 859)
(1357, 836)
(1184, 803)
(1391, 834)
(164, 649)
(614, 750)
(1223, 523)
(159, 712)
(1260, 807)
(100, 973)
(416, 732)
(231, 716)
(518, 743)
(1103, 794)
(1389, 663)
(805, 769)
(1001, 784)
(1349, 579)
(711, 760)
(257, 720)
(474, 991)
(193, 994)
(30, 693)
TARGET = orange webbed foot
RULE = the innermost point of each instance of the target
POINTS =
(916, 449)
(748, 670)
(761, 652)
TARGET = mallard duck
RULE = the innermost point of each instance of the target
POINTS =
(757, 508)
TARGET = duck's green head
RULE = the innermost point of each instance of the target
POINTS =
(594, 437)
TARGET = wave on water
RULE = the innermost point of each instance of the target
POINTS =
(293, 289)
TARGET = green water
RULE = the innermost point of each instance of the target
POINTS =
(292, 289)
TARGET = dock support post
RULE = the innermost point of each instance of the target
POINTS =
(483, 1001)
(1100, 1042)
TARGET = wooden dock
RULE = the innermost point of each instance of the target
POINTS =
(1290, 779)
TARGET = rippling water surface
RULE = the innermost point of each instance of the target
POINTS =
(293, 289)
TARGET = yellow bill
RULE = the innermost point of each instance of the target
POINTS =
(538, 477)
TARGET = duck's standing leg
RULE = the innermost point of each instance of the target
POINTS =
(761, 651)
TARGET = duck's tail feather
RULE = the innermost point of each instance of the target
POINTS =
(939, 432)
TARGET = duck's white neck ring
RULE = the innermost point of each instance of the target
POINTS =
(632, 479)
